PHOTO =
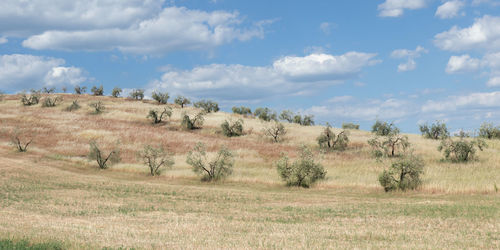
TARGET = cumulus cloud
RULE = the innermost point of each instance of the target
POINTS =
(410, 55)
(473, 100)
(462, 64)
(484, 33)
(395, 8)
(287, 75)
(19, 71)
(450, 9)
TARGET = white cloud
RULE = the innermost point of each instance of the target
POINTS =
(395, 8)
(410, 55)
(473, 100)
(462, 64)
(450, 9)
(483, 34)
(288, 75)
(3, 40)
(174, 28)
(326, 27)
(18, 71)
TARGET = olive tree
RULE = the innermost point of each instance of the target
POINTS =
(232, 128)
(211, 169)
(157, 117)
(391, 145)
(97, 107)
(275, 130)
(73, 106)
(287, 115)
(461, 150)
(265, 114)
(32, 99)
(156, 158)
(16, 139)
(137, 94)
(47, 90)
(103, 160)
(242, 110)
(489, 131)
(435, 131)
(350, 125)
(51, 101)
(182, 101)
(160, 97)
(80, 90)
(194, 122)
(383, 128)
(97, 91)
(303, 172)
(403, 174)
(331, 141)
(207, 106)
(116, 92)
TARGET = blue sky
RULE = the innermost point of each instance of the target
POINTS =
(405, 61)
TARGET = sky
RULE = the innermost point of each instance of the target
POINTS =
(404, 61)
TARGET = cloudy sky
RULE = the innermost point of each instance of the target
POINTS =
(405, 61)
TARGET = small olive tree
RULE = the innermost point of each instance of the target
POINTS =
(350, 125)
(436, 131)
(116, 92)
(80, 90)
(160, 97)
(383, 128)
(329, 140)
(489, 131)
(242, 110)
(137, 94)
(51, 101)
(47, 90)
(303, 172)
(404, 174)
(207, 106)
(156, 158)
(461, 150)
(32, 99)
(103, 160)
(287, 115)
(73, 106)
(17, 141)
(265, 114)
(156, 117)
(211, 169)
(195, 122)
(182, 101)
(275, 130)
(391, 145)
(232, 128)
(97, 107)
(97, 91)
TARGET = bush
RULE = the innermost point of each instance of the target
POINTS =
(384, 128)
(160, 97)
(329, 140)
(242, 110)
(231, 129)
(98, 107)
(435, 131)
(303, 172)
(403, 174)
(461, 150)
(212, 169)
(29, 100)
(156, 159)
(80, 90)
(265, 114)
(489, 131)
(275, 130)
(350, 125)
(16, 140)
(97, 91)
(156, 117)
(48, 90)
(51, 101)
(74, 106)
(390, 144)
(116, 92)
(196, 122)
(207, 106)
(137, 94)
(95, 153)
(182, 101)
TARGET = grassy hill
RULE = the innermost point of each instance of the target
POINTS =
(52, 193)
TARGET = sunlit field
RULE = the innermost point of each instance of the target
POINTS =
(53, 194)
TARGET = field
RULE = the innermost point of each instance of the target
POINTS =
(52, 194)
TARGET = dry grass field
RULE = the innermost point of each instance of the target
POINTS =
(52, 193)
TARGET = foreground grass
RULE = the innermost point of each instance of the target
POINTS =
(26, 245)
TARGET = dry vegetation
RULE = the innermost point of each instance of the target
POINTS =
(53, 193)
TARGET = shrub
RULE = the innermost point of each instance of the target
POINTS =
(156, 117)
(116, 92)
(137, 94)
(160, 97)
(435, 131)
(231, 129)
(80, 90)
(156, 159)
(74, 106)
(303, 172)
(97, 91)
(275, 130)
(287, 115)
(350, 125)
(48, 90)
(390, 144)
(196, 122)
(29, 100)
(461, 150)
(95, 153)
(404, 174)
(242, 110)
(265, 114)
(207, 106)
(383, 128)
(212, 169)
(98, 107)
(51, 101)
(182, 101)
(489, 131)
(16, 140)
(329, 140)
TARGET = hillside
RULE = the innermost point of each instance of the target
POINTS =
(52, 193)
